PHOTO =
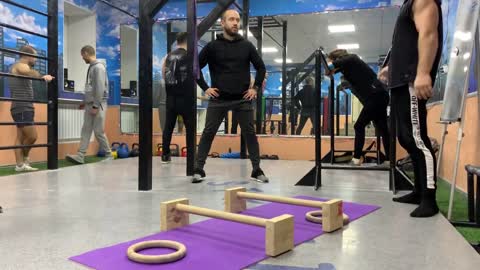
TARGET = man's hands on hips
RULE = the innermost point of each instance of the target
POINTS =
(383, 75)
(423, 86)
(250, 94)
(212, 92)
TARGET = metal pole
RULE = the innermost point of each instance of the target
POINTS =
(246, 29)
(53, 69)
(393, 148)
(145, 97)
(337, 104)
(260, 114)
(346, 114)
(332, 116)
(284, 79)
(292, 107)
(193, 72)
(318, 136)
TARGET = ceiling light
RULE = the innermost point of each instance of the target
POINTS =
(280, 60)
(348, 46)
(269, 50)
(466, 56)
(341, 28)
(463, 36)
(240, 32)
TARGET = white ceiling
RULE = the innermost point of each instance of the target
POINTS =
(374, 30)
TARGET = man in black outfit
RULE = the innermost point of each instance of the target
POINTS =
(174, 72)
(305, 102)
(410, 73)
(229, 58)
(371, 93)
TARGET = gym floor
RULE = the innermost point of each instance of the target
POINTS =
(52, 215)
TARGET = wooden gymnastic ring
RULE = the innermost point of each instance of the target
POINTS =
(315, 217)
(150, 259)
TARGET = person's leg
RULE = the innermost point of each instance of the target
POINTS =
(215, 115)
(19, 152)
(381, 123)
(244, 113)
(301, 125)
(412, 134)
(18, 118)
(170, 121)
(162, 108)
(99, 129)
(85, 136)
(363, 120)
(234, 129)
(29, 135)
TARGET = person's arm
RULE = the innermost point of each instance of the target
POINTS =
(426, 18)
(164, 66)
(203, 61)
(259, 65)
(25, 70)
(99, 82)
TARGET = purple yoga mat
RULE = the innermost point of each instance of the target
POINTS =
(217, 244)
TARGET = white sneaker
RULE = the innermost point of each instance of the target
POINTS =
(25, 168)
(357, 161)
(26, 161)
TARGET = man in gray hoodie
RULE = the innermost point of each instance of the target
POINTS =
(95, 106)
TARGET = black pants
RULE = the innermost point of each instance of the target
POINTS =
(304, 116)
(215, 114)
(411, 116)
(175, 106)
(235, 123)
(374, 109)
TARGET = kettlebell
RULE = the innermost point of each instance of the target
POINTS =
(159, 150)
(184, 151)
(114, 154)
(135, 152)
(115, 146)
(101, 153)
(123, 151)
(175, 150)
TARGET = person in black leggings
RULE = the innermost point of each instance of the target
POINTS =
(410, 72)
(371, 93)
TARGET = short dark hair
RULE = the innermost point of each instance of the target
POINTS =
(28, 49)
(338, 53)
(182, 37)
(88, 50)
(310, 81)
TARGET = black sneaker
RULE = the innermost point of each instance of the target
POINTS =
(166, 159)
(198, 176)
(259, 176)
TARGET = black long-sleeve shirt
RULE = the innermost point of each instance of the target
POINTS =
(305, 98)
(229, 64)
(362, 78)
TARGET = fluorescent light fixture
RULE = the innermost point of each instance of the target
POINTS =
(351, 46)
(269, 50)
(280, 60)
(463, 36)
(341, 28)
(240, 32)
(465, 69)
(466, 56)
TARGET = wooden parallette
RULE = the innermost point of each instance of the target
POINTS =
(278, 235)
(332, 211)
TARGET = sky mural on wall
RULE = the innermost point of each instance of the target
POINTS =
(109, 21)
